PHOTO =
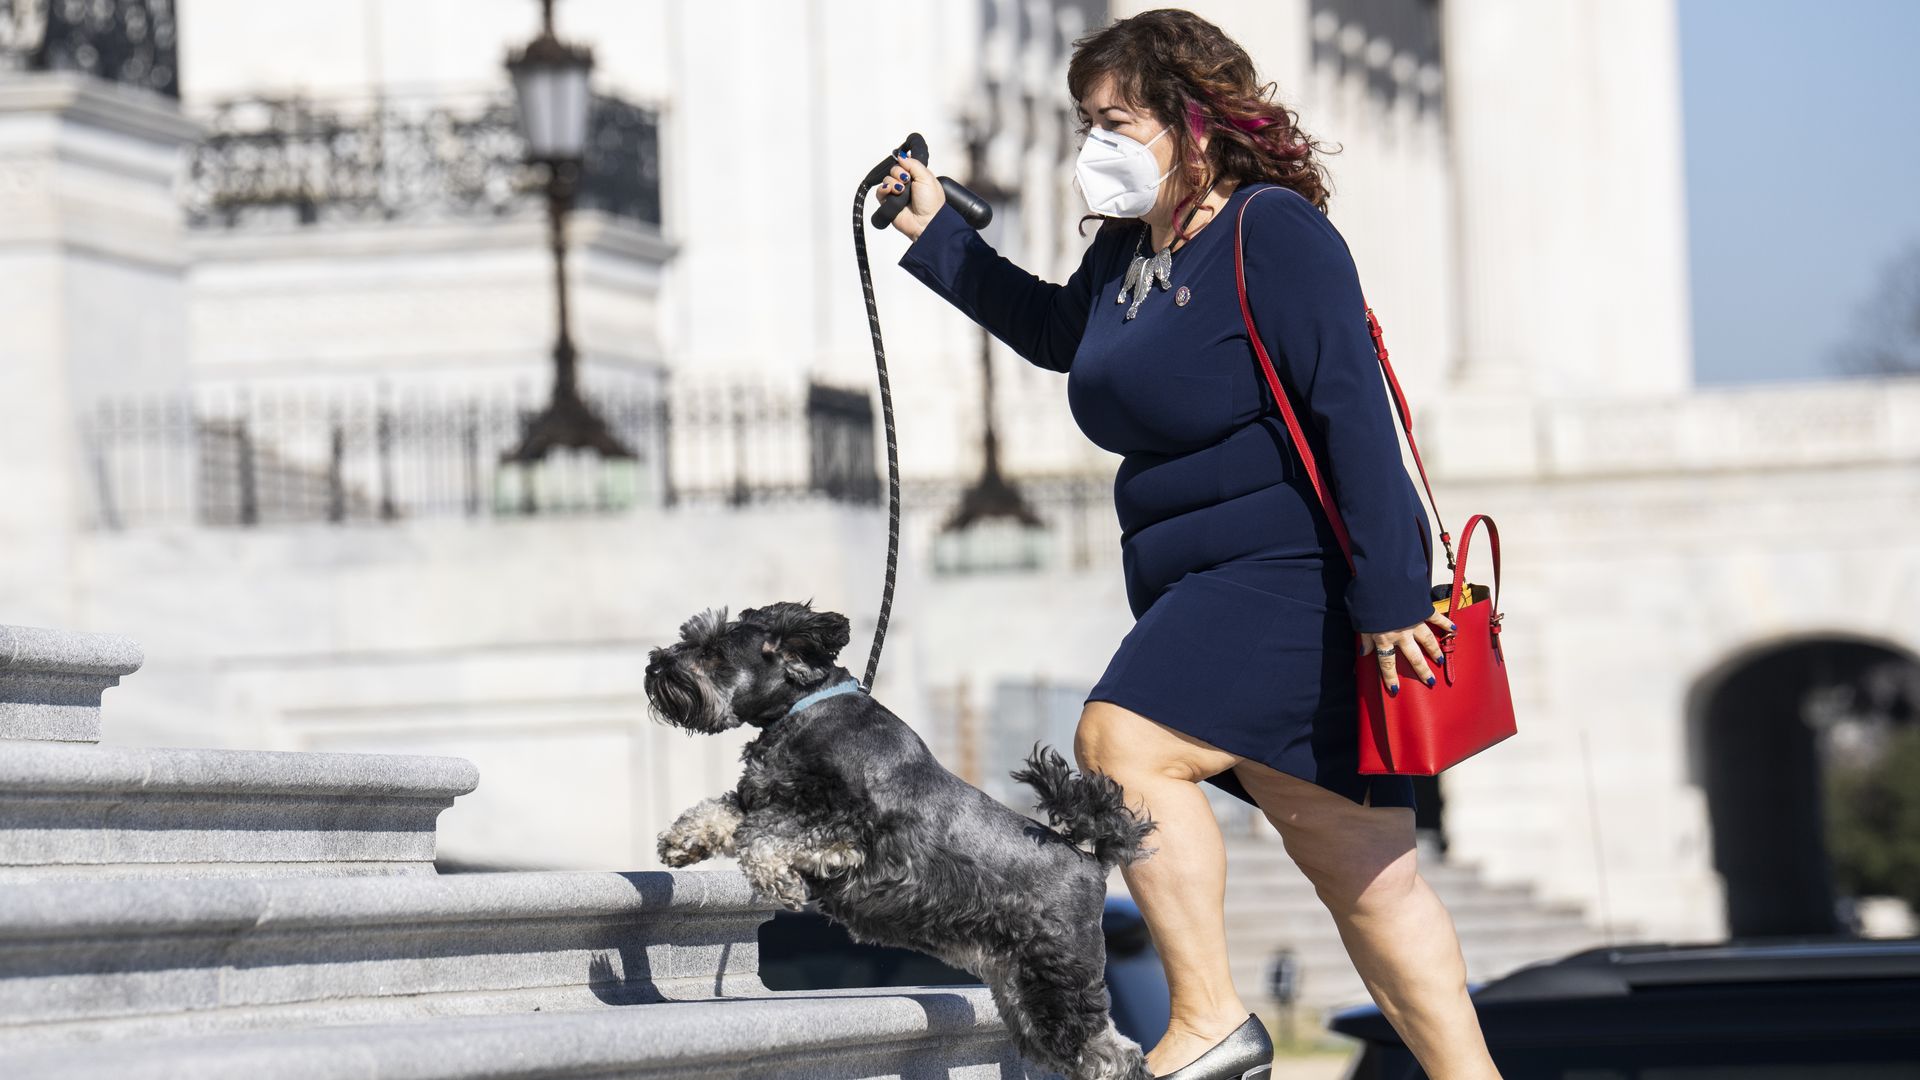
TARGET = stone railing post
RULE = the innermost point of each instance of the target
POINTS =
(51, 681)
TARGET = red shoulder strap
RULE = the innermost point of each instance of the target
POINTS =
(1293, 423)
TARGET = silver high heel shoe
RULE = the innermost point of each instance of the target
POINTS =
(1245, 1054)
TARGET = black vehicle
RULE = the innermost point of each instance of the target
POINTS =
(1785, 1008)
(805, 950)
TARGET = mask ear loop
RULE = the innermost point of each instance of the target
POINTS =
(1163, 176)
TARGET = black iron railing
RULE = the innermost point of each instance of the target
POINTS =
(305, 161)
(248, 457)
(251, 458)
(1392, 45)
(124, 41)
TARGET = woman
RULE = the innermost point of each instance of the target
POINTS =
(1238, 669)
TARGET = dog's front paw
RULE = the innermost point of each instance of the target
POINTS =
(701, 832)
(680, 849)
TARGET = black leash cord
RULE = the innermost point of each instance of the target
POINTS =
(893, 449)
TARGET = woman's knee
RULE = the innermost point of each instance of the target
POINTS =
(1100, 743)
(1122, 743)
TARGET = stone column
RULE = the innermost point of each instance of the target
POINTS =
(1570, 197)
(92, 301)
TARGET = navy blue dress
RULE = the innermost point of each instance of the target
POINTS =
(1244, 606)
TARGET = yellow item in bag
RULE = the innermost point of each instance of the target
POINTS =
(1475, 594)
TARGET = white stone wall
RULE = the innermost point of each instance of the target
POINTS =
(92, 299)
(461, 306)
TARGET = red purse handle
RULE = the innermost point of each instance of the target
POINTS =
(1460, 571)
(1406, 423)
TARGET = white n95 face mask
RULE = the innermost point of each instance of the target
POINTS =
(1115, 173)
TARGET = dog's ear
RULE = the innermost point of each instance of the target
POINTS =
(811, 639)
(704, 627)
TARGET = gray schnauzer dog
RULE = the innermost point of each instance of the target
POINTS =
(842, 803)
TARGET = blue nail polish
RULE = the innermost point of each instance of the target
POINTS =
(1429, 680)
(1443, 659)
(1394, 690)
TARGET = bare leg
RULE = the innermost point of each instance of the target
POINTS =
(1361, 860)
(1181, 887)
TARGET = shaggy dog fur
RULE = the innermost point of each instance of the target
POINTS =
(843, 804)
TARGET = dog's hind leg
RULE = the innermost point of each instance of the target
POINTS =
(702, 831)
(1058, 993)
(1020, 1023)
(1047, 1017)
(1110, 1055)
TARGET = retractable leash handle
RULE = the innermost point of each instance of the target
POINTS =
(977, 214)
(972, 207)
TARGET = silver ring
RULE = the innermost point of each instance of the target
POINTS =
(1388, 651)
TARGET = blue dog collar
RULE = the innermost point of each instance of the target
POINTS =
(845, 687)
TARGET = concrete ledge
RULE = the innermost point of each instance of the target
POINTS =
(117, 107)
(74, 810)
(51, 680)
(91, 961)
(895, 1032)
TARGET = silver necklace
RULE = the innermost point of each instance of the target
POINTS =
(1144, 271)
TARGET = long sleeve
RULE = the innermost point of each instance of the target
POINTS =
(1040, 320)
(1307, 305)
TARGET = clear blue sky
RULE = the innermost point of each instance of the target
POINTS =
(1802, 127)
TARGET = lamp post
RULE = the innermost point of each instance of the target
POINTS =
(550, 83)
(993, 527)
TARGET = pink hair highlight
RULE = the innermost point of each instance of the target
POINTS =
(1196, 121)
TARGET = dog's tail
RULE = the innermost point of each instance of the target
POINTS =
(1087, 808)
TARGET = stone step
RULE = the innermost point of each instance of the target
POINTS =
(1469, 922)
(1289, 882)
(1252, 863)
(138, 958)
(953, 1032)
(1270, 903)
(1287, 903)
(75, 810)
(1324, 955)
(1326, 978)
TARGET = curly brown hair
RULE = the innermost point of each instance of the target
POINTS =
(1174, 63)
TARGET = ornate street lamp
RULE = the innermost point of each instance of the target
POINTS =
(993, 528)
(550, 82)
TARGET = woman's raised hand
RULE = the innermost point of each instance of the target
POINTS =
(1411, 642)
(925, 199)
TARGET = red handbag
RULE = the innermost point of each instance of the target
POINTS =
(1422, 729)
